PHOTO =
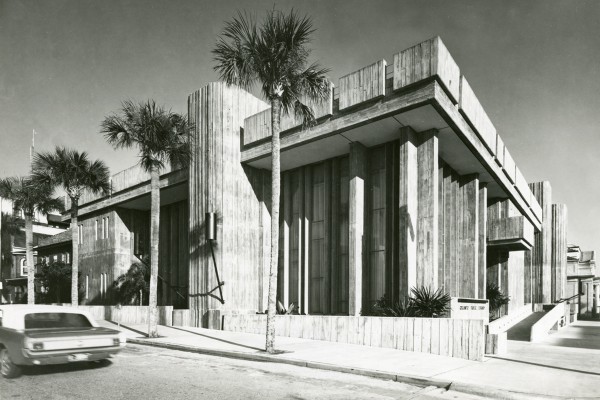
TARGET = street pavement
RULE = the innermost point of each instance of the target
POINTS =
(566, 365)
(143, 372)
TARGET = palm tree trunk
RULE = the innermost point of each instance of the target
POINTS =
(154, 227)
(75, 251)
(29, 259)
(275, 191)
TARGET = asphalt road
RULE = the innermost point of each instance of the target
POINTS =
(141, 372)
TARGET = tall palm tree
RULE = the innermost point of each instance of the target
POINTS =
(75, 173)
(273, 55)
(30, 197)
(161, 137)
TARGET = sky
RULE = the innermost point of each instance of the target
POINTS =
(534, 65)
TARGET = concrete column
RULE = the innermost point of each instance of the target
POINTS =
(559, 251)
(407, 210)
(427, 209)
(596, 308)
(356, 223)
(285, 225)
(482, 267)
(469, 237)
(542, 251)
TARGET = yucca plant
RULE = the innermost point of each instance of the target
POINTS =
(290, 310)
(429, 303)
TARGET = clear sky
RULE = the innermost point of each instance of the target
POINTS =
(535, 66)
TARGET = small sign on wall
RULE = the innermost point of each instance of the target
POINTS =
(463, 308)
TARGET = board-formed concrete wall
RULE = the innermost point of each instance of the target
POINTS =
(443, 336)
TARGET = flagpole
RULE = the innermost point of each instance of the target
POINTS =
(31, 151)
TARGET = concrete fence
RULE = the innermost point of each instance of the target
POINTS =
(210, 319)
(443, 336)
(130, 314)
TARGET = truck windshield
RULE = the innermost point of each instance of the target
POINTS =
(56, 320)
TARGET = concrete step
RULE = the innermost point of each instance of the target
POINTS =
(522, 330)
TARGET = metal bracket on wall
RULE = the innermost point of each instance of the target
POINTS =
(211, 236)
(219, 282)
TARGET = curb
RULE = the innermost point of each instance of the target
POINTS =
(478, 390)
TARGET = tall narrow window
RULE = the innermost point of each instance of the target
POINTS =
(80, 234)
(105, 231)
(318, 256)
(343, 261)
(295, 235)
(96, 230)
(102, 287)
(67, 258)
(377, 202)
(87, 287)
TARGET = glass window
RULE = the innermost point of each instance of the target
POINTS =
(377, 203)
(56, 320)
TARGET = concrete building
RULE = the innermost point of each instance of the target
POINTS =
(404, 181)
(583, 281)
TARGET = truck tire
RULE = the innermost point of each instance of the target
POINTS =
(8, 369)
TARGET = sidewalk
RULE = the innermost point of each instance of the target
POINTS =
(527, 371)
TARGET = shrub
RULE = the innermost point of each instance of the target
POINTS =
(497, 299)
(381, 308)
(423, 302)
(132, 284)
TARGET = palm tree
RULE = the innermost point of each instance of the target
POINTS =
(10, 225)
(30, 197)
(75, 173)
(161, 137)
(273, 55)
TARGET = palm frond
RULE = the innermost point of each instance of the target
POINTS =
(160, 135)
(72, 170)
(275, 55)
(233, 52)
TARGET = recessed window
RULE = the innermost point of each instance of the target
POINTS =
(105, 228)
(23, 267)
(80, 234)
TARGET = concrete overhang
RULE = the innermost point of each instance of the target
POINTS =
(422, 107)
(510, 234)
(173, 188)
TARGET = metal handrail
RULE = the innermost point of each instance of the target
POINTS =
(567, 299)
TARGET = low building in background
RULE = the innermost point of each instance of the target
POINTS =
(583, 281)
(14, 267)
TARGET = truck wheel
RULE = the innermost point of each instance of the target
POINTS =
(7, 368)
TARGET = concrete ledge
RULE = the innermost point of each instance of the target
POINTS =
(490, 392)
(484, 391)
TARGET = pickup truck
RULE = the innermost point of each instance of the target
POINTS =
(42, 335)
